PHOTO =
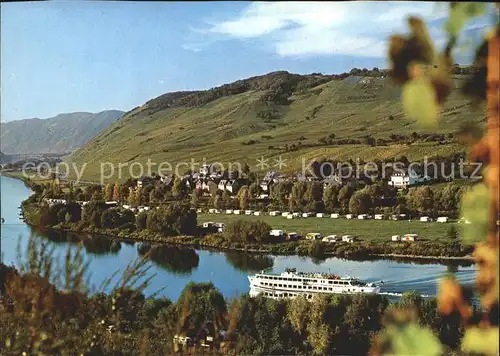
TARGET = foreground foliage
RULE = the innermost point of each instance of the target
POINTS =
(42, 315)
(426, 79)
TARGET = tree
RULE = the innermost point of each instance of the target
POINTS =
(313, 197)
(254, 190)
(244, 197)
(360, 203)
(227, 200)
(369, 140)
(246, 169)
(344, 196)
(299, 314)
(297, 197)
(132, 197)
(116, 192)
(202, 310)
(111, 218)
(178, 189)
(108, 192)
(319, 332)
(173, 219)
(330, 198)
(195, 197)
(452, 232)
(93, 211)
(141, 220)
(374, 191)
(248, 231)
(421, 200)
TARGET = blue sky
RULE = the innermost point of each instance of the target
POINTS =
(66, 56)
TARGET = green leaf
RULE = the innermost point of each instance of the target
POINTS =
(481, 341)
(474, 210)
(414, 340)
(460, 13)
(419, 102)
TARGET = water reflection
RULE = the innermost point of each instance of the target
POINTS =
(249, 262)
(179, 260)
(93, 244)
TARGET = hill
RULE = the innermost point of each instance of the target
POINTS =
(296, 116)
(60, 134)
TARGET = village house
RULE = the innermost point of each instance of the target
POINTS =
(222, 184)
(206, 169)
(198, 184)
(330, 181)
(167, 180)
(408, 177)
(232, 186)
(187, 180)
(269, 179)
(144, 180)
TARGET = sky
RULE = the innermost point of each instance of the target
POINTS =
(68, 56)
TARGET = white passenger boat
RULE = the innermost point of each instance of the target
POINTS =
(291, 283)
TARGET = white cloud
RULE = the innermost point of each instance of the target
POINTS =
(323, 28)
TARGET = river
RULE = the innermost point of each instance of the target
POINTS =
(227, 271)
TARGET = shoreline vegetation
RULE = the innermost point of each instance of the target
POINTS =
(438, 251)
(363, 250)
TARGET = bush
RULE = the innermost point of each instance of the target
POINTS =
(248, 232)
(316, 249)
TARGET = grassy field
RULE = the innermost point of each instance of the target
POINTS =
(367, 230)
(218, 131)
(38, 179)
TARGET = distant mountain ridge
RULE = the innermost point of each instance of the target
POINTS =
(60, 134)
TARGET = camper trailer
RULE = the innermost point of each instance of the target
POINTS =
(330, 239)
(277, 233)
(348, 238)
(396, 238)
(410, 237)
(313, 236)
(292, 236)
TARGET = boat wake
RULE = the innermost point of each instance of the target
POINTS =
(393, 294)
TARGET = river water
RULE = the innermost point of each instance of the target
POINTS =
(228, 271)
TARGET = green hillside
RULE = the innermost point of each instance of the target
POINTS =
(257, 117)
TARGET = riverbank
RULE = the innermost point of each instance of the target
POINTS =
(433, 251)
